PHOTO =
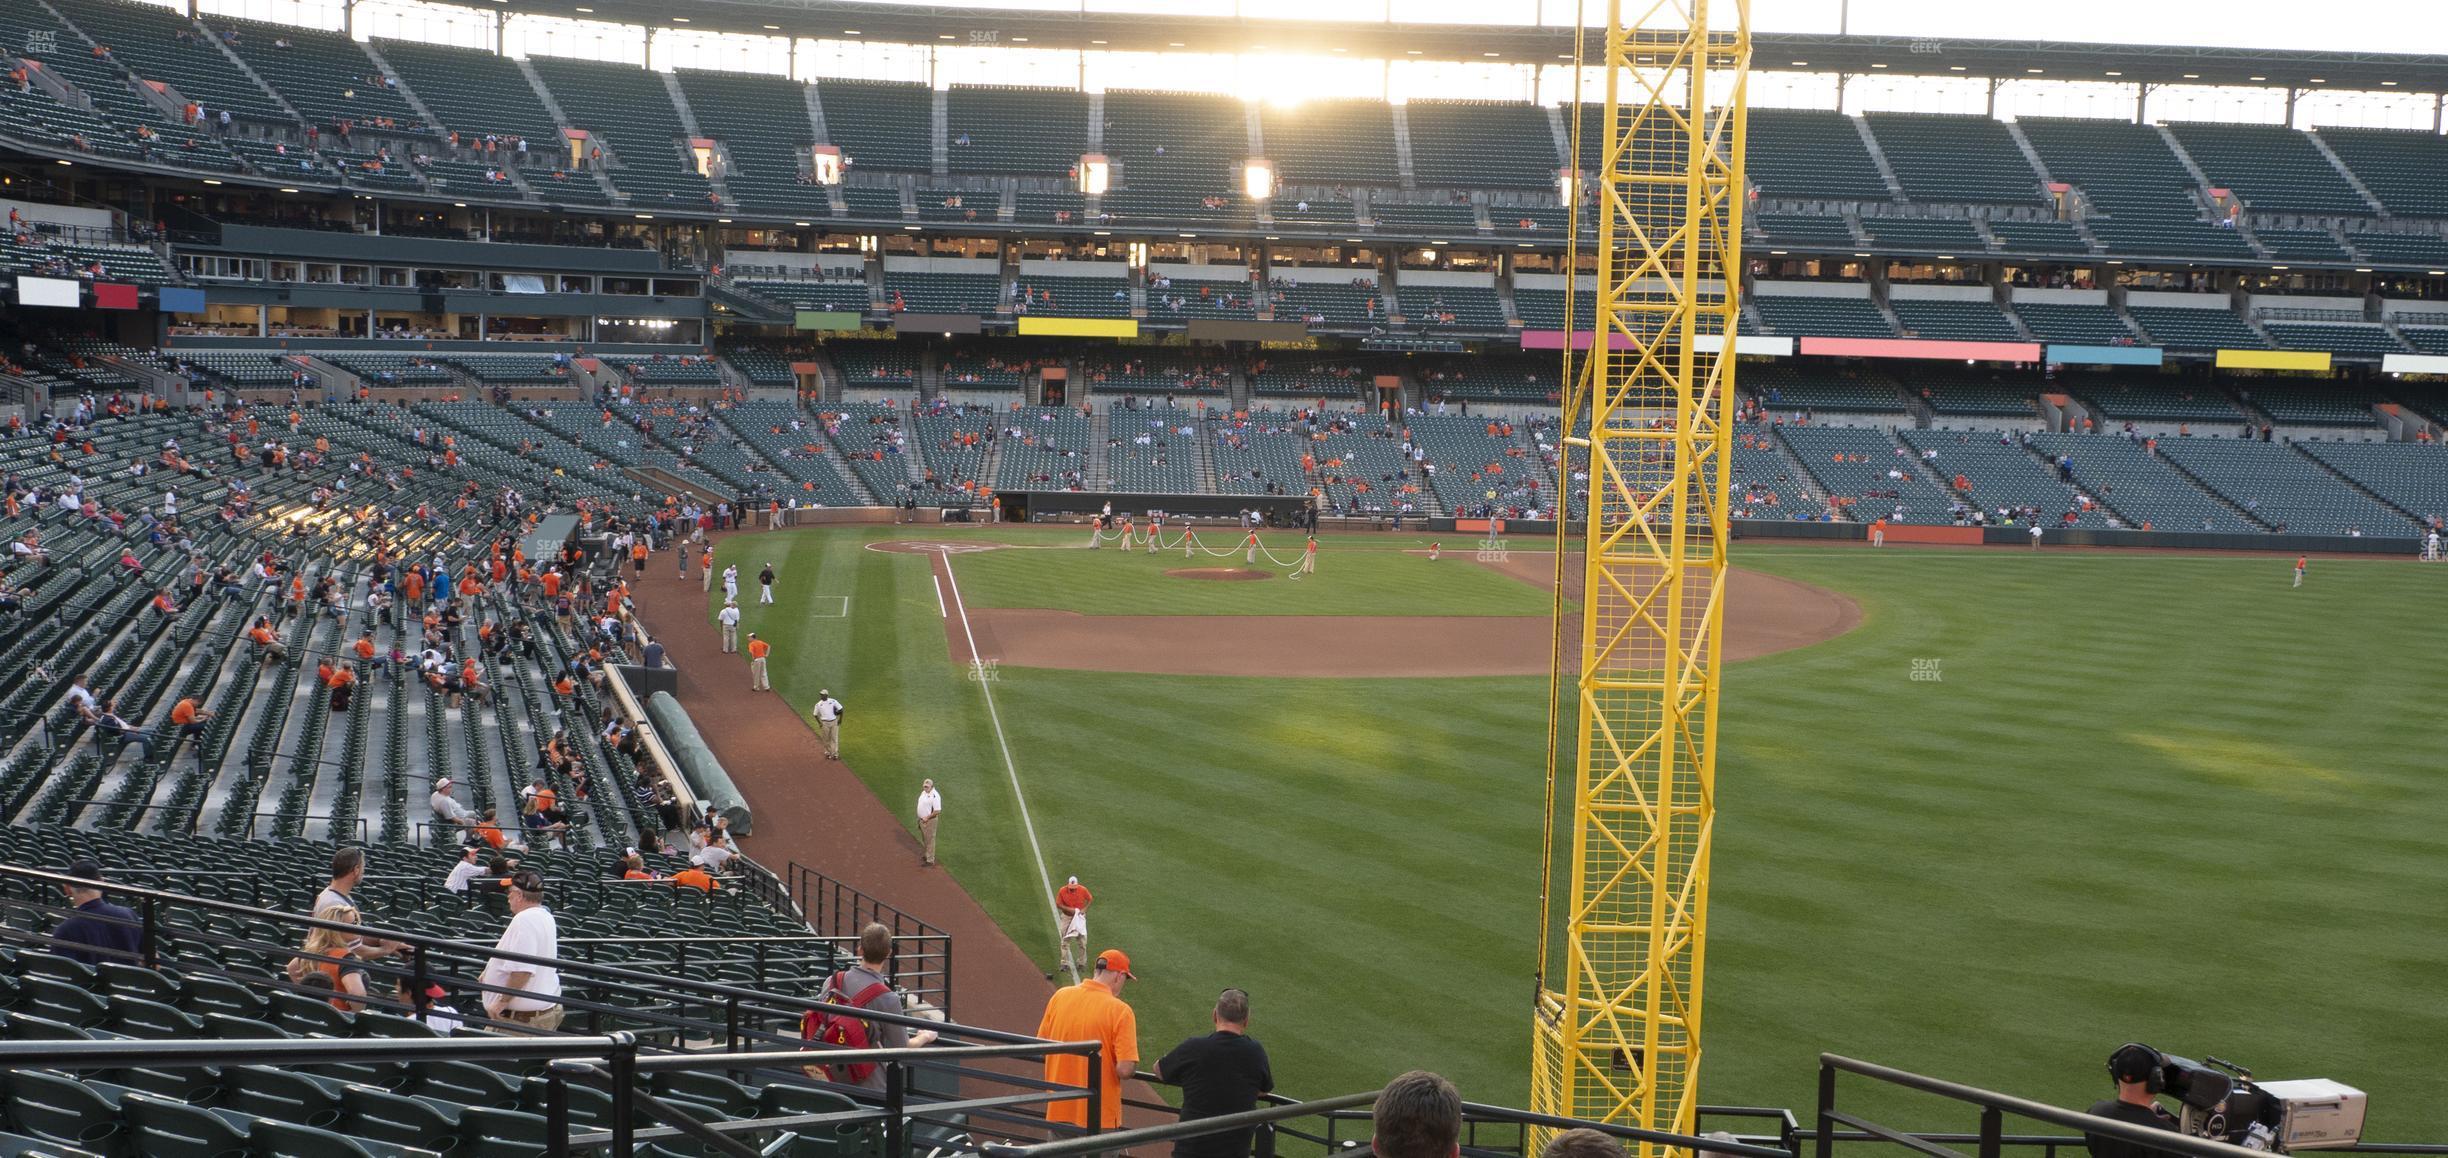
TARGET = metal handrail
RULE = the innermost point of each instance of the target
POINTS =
(1173, 1131)
(679, 988)
(1993, 1105)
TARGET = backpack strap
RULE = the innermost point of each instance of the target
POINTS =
(870, 993)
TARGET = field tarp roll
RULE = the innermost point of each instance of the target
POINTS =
(705, 774)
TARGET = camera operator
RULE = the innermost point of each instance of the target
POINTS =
(2138, 1073)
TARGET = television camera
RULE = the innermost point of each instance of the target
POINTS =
(2220, 1101)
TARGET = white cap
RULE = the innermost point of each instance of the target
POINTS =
(1075, 880)
(442, 784)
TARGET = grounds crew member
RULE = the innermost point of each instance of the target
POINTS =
(1071, 905)
(828, 722)
(757, 651)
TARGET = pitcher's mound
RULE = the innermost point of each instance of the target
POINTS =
(1226, 574)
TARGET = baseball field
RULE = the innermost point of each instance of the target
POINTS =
(1982, 813)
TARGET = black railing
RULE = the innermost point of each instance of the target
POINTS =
(834, 909)
(1991, 1138)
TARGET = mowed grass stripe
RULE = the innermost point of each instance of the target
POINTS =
(2150, 797)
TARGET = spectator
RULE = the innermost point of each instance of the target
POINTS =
(108, 723)
(1220, 1073)
(532, 987)
(867, 986)
(1093, 1010)
(428, 1006)
(470, 866)
(1418, 1115)
(188, 717)
(333, 953)
(447, 810)
(348, 868)
(1582, 1143)
(100, 931)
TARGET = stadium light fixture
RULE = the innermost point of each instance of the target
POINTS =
(680, 19)
(1411, 52)
(772, 27)
(2388, 84)
(2033, 71)
(458, 204)
(1955, 68)
(288, 190)
(1258, 179)
(1177, 44)
(1096, 42)
(801, 224)
(211, 181)
(1878, 66)
(825, 164)
(645, 216)
(2113, 72)
(2256, 78)
(1019, 40)
(1801, 64)
(722, 221)
(2192, 76)
(588, 11)
(852, 32)
(1568, 186)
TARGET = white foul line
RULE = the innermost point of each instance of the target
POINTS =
(940, 613)
(985, 688)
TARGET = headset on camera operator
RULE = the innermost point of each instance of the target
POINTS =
(2140, 1072)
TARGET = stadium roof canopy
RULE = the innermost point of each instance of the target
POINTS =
(1072, 29)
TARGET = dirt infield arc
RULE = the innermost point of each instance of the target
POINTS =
(1764, 615)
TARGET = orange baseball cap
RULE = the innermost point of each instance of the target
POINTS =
(1116, 961)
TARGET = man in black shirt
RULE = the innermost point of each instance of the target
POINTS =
(1220, 1073)
(2136, 1069)
(100, 931)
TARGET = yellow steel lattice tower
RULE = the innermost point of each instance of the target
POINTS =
(1632, 787)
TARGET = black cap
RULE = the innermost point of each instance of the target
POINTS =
(85, 869)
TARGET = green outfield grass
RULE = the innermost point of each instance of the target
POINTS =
(2147, 797)
(1362, 577)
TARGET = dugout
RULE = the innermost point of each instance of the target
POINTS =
(1077, 506)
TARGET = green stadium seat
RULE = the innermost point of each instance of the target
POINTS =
(60, 1109)
(165, 1129)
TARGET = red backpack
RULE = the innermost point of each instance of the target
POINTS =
(842, 1030)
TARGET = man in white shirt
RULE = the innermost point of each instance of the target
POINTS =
(729, 617)
(470, 866)
(447, 810)
(930, 809)
(731, 584)
(532, 933)
(83, 698)
(828, 722)
(713, 856)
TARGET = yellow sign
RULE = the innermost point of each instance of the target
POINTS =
(2273, 359)
(1080, 327)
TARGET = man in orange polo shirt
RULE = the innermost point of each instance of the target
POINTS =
(757, 651)
(1093, 1010)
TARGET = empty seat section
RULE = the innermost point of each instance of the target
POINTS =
(2335, 337)
(1481, 145)
(1331, 142)
(2143, 201)
(1039, 207)
(2152, 398)
(2408, 475)
(1955, 158)
(1028, 131)
(1808, 317)
(955, 205)
(879, 365)
(2313, 403)
(879, 125)
(1315, 211)
(475, 93)
(766, 144)
(1153, 449)
(2039, 237)
(1805, 230)
(2274, 169)
(2144, 491)
(1175, 151)
(2302, 245)
(2426, 249)
(835, 295)
(872, 202)
(942, 293)
(1962, 321)
(159, 44)
(2212, 328)
(1437, 219)
(1787, 387)
(630, 111)
(1325, 297)
(1543, 309)
(325, 76)
(1930, 234)
(1968, 392)
(2401, 167)
(2283, 489)
(1807, 154)
(1333, 379)
(2074, 323)
(1489, 377)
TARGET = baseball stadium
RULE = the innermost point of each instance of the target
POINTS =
(1570, 578)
